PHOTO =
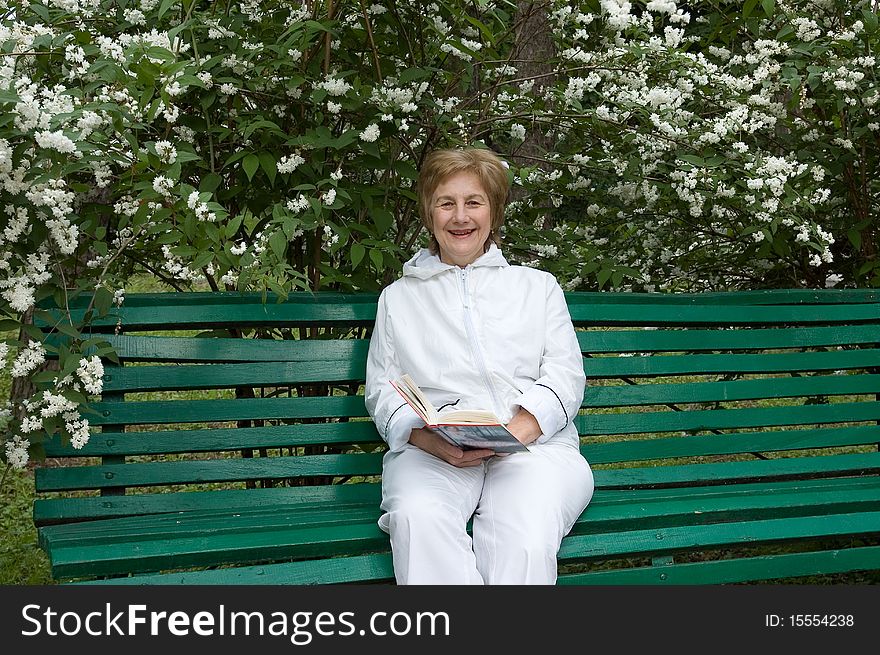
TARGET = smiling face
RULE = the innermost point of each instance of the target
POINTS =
(461, 217)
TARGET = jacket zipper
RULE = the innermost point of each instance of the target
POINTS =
(475, 345)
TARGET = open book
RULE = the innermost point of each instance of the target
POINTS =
(467, 429)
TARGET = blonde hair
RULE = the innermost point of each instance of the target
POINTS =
(485, 164)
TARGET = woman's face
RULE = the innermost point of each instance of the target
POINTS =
(462, 218)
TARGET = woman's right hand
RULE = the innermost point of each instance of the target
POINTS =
(433, 443)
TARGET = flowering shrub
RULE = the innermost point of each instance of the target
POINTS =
(274, 146)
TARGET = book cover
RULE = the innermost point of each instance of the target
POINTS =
(467, 429)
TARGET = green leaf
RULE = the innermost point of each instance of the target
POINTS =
(250, 164)
(357, 254)
(278, 244)
(103, 300)
(749, 8)
(855, 238)
(165, 6)
(8, 96)
(268, 163)
(378, 261)
(769, 7)
(210, 182)
(383, 219)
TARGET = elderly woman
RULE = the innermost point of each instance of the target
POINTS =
(474, 331)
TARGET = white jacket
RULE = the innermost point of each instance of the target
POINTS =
(490, 336)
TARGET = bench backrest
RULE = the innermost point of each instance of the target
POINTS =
(720, 387)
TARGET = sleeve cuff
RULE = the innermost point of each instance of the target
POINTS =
(400, 426)
(543, 404)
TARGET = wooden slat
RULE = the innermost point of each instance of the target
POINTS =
(756, 297)
(201, 349)
(677, 539)
(696, 339)
(240, 409)
(758, 315)
(729, 444)
(630, 395)
(201, 471)
(742, 569)
(702, 364)
(726, 419)
(727, 472)
(218, 440)
(50, 511)
(220, 376)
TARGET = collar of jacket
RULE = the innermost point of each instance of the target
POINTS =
(424, 265)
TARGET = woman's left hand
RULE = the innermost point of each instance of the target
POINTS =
(524, 426)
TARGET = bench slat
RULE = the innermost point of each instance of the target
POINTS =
(51, 511)
(234, 469)
(240, 409)
(729, 444)
(743, 569)
(630, 395)
(726, 419)
(219, 439)
(683, 315)
(611, 367)
(696, 339)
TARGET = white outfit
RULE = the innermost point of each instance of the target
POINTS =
(489, 336)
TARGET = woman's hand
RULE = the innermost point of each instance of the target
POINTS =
(433, 443)
(524, 426)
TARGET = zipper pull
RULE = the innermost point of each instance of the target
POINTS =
(466, 299)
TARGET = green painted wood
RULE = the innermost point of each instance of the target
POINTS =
(678, 539)
(574, 548)
(149, 555)
(727, 472)
(201, 349)
(51, 511)
(744, 569)
(364, 568)
(697, 339)
(240, 409)
(631, 315)
(219, 439)
(759, 297)
(725, 419)
(701, 364)
(765, 501)
(235, 469)
(240, 316)
(241, 538)
(219, 376)
(728, 444)
(201, 471)
(629, 395)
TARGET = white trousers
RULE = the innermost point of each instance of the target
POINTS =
(522, 506)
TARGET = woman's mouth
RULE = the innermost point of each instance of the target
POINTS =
(461, 234)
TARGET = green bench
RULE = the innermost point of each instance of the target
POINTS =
(734, 437)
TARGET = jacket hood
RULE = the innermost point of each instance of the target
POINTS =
(424, 265)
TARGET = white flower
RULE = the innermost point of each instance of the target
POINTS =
(329, 197)
(228, 89)
(239, 249)
(167, 152)
(334, 86)
(371, 133)
(91, 372)
(294, 54)
(518, 132)
(28, 359)
(163, 185)
(290, 163)
(17, 452)
(56, 141)
(333, 107)
(206, 79)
